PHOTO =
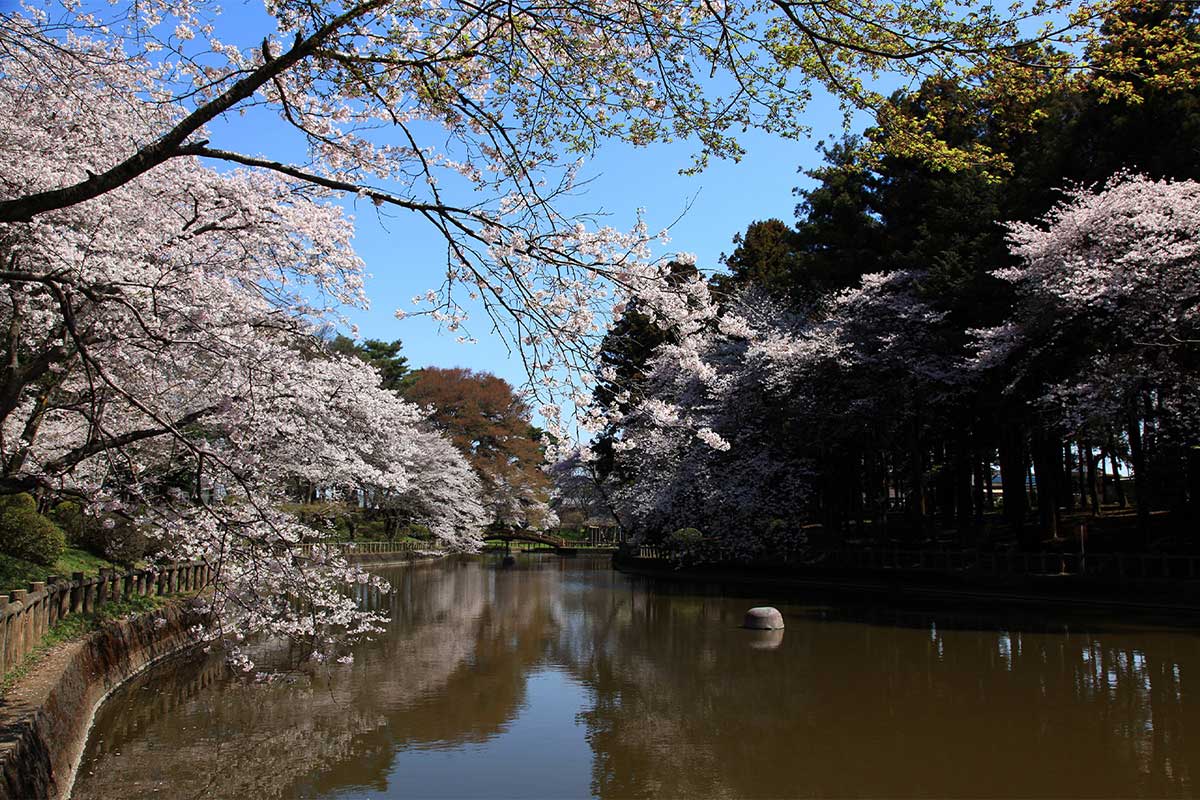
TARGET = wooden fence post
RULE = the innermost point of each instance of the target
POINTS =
(102, 587)
(3, 635)
(9, 633)
(52, 600)
(20, 624)
(37, 590)
(76, 592)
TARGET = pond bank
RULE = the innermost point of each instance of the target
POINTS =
(44, 719)
(1044, 590)
(400, 557)
(46, 716)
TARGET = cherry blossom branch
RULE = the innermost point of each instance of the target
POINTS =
(172, 143)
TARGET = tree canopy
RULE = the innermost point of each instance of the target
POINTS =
(486, 420)
(918, 327)
(472, 116)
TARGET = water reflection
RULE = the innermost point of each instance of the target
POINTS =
(560, 678)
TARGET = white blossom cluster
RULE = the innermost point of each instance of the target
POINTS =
(164, 362)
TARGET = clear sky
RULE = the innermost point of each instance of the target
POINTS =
(405, 256)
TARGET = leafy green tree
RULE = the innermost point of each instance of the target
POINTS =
(394, 372)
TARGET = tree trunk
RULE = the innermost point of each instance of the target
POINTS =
(1012, 478)
(1193, 484)
(1084, 456)
(1047, 452)
(963, 508)
(916, 476)
(987, 473)
(1068, 471)
(1093, 495)
(1118, 486)
(977, 495)
(1140, 490)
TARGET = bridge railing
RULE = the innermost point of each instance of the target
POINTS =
(530, 537)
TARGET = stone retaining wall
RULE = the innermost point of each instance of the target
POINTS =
(44, 720)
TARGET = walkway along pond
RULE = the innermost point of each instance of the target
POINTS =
(563, 678)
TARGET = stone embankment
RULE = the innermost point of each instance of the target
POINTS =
(45, 718)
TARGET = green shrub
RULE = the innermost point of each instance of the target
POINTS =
(24, 533)
(125, 543)
(687, 545)
(685, 538)
(416, 531)
(69, 516)
(106, 536)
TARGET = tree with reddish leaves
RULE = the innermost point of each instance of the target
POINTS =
(490, 424)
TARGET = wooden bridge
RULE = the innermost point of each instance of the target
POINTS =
(559, 544)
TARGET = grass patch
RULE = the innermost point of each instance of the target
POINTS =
(16, 573)
(76, 626)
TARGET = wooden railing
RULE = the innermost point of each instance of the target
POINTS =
(1119, 566)
(26, 614)
(356, 548)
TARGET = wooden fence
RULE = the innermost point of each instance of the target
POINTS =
(1116, 566)
(26, 614)
(358, 548)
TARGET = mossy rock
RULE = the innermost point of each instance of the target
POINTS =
(24, 533)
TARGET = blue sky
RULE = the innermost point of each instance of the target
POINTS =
(404, 255)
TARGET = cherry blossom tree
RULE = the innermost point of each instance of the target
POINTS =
(1107, 321)
(162, 362)
(445, 493)
(473, 116)
(748, 423)
(1108, 289)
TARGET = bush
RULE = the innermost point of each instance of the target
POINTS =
(24, 533)
(120, 541)
(685, 537)
(416, 531)
(687, 545)
(69, 516)
(124, 543)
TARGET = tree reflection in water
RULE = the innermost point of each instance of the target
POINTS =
(675, 700)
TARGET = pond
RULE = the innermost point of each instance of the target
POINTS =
(562, 678)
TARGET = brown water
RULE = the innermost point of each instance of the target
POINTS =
(561, 678)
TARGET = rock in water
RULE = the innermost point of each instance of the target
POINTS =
(763, 618)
